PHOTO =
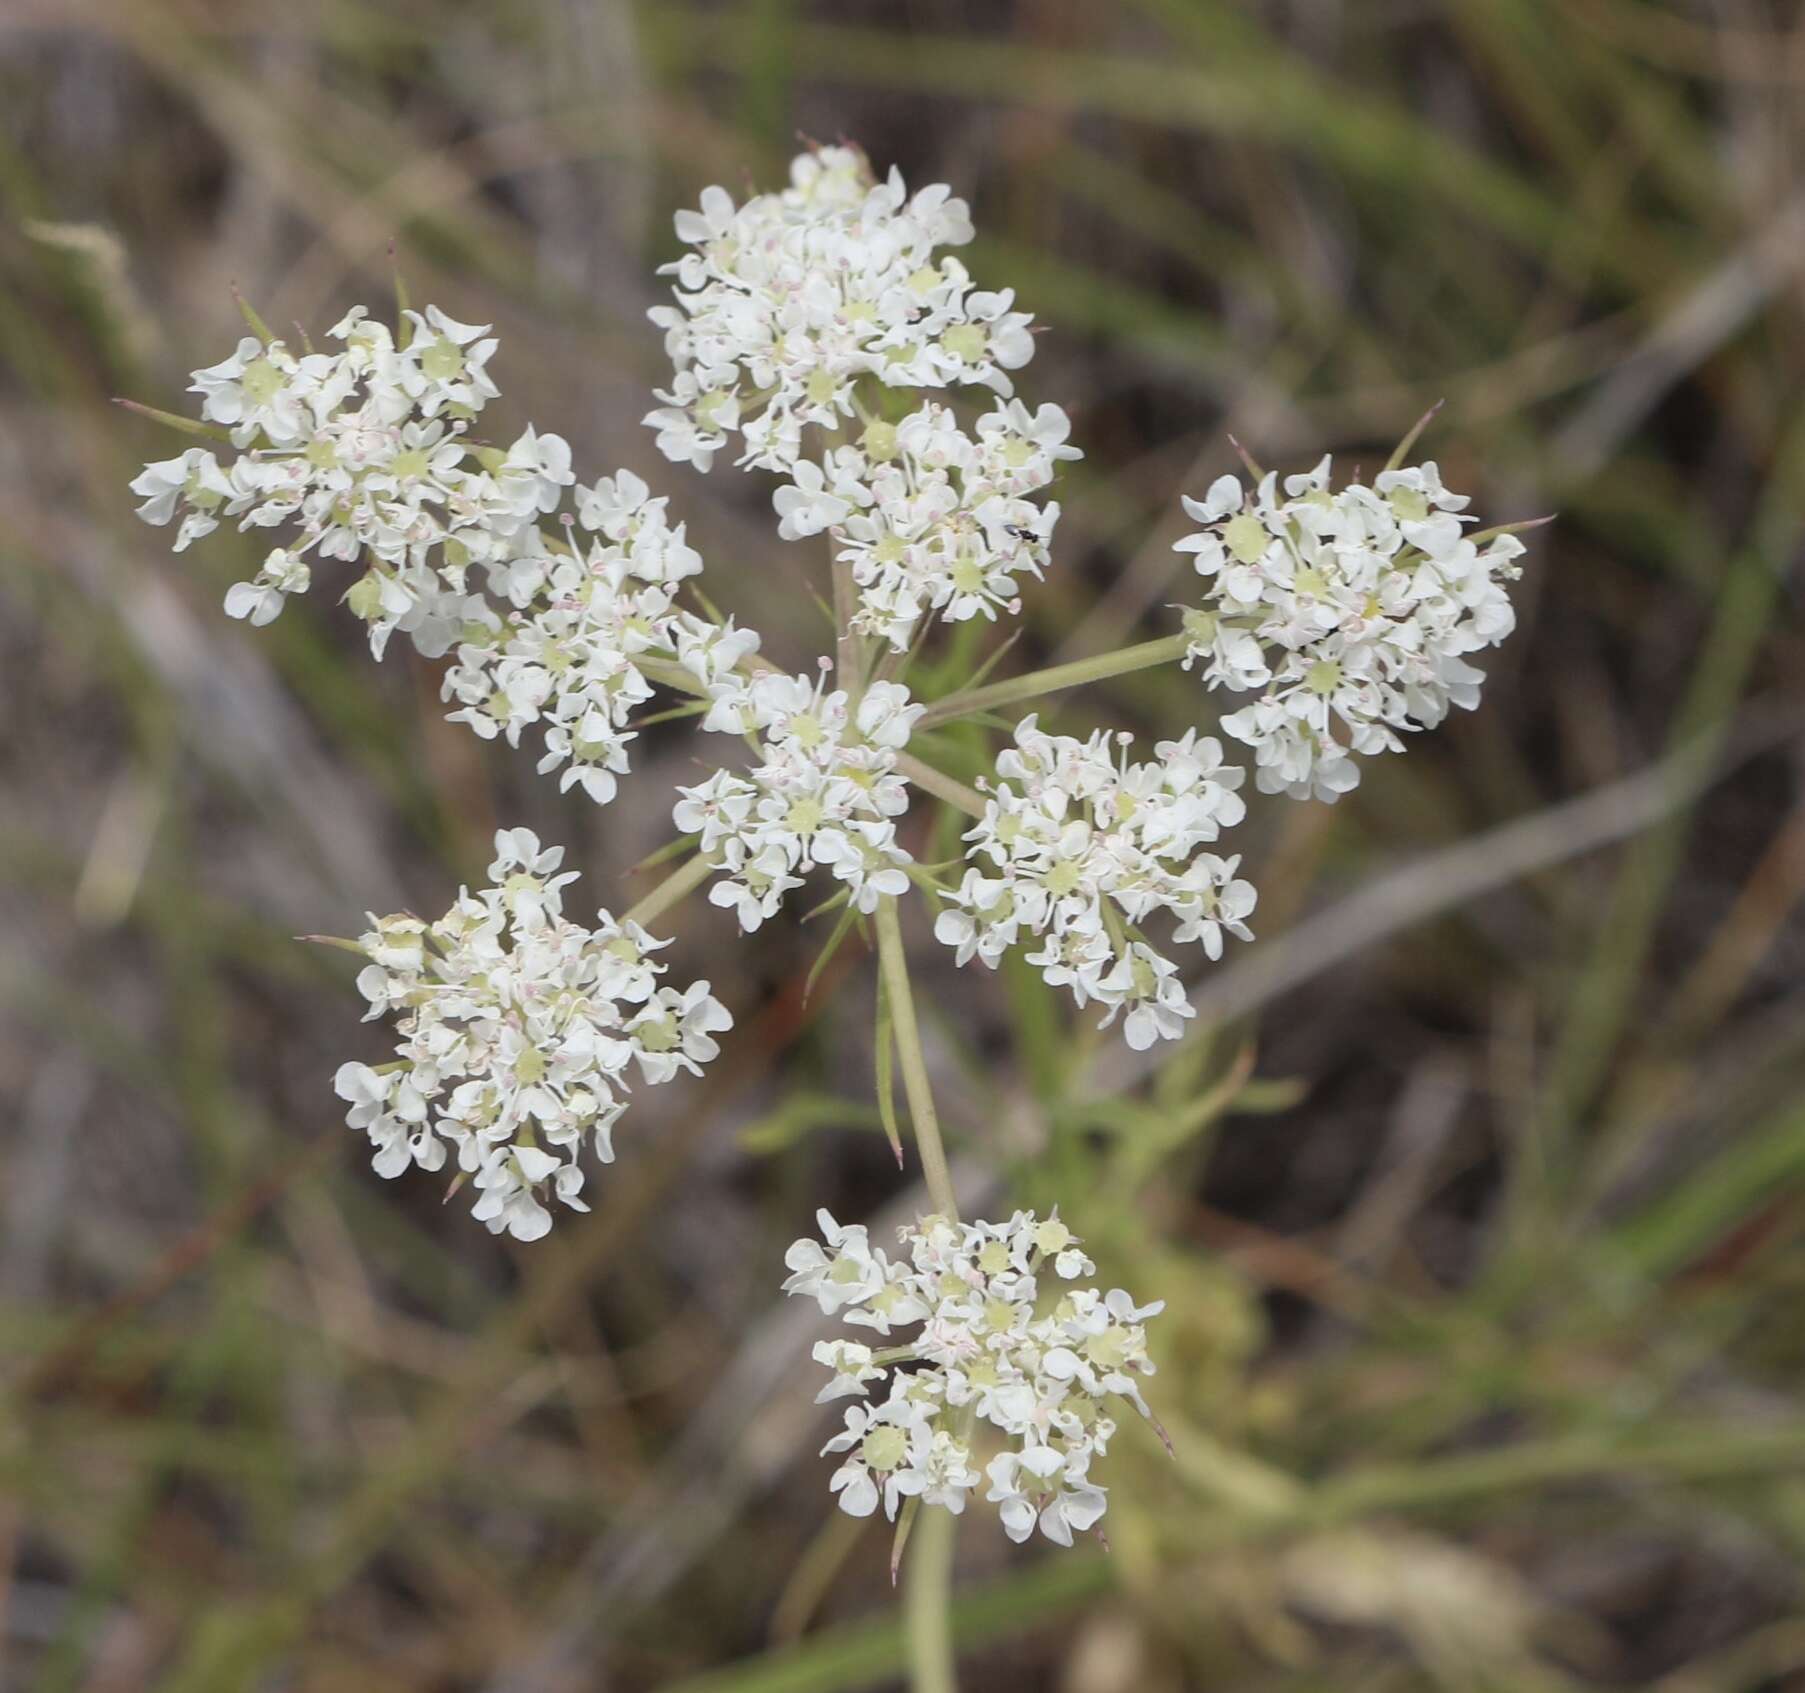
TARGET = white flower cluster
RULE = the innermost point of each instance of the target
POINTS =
(931, 519)
(817, 306)
(825, 792)
(566, 660)
(1078, 847)
(785, 301)
(365, 452)
(519, 1030)
(1039, 1368)
(1349, 612)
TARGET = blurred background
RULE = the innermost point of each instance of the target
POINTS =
(1478, 1205)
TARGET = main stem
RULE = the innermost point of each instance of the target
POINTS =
(928, 1593)
(894, 964)
(927, 1603)
(1049, 681)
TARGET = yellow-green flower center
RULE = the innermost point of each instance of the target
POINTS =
(443, 361)
(805, 816)
(968, 576)
(884, 1448)
(1411, 504)
(965, 341)
(1246, 538)
(1108, 1350)
(262, 382)
(365, 596)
